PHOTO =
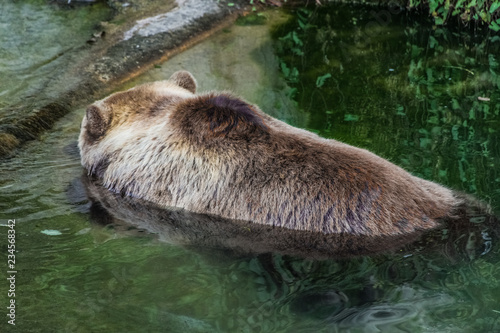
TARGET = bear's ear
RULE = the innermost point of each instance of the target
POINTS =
(185, 80)
(98, 121)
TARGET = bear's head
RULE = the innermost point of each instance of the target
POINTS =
(142, 103)
(149, 115)
(111, 123)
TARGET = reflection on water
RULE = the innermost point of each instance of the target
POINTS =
(425, 98)
(110, 277)
(403, 316)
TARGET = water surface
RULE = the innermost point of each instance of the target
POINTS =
(407, 94)
(39, 40)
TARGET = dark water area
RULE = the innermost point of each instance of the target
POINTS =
(414, 94)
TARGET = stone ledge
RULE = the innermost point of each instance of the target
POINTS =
(127, 52)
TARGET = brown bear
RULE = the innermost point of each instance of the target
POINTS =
(215, 153)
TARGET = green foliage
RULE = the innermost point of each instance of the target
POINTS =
(485, 11)
(442, 11)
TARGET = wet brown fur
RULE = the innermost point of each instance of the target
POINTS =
(216, 154)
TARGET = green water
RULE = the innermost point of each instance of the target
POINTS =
(392, 95)
(39, 40)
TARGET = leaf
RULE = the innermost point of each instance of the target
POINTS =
(297, 51)
(472, 114)
(285, 69)
(294, 75)
(291, 92)
(494, 6)
(492, 61)
(302, 25)
(415, 51)
(400, 111)
(288, 36)
(429, 75)
(432, 42)
(351, 117)
(438, 20)
(320, 81)
(454, 132)
(423, 131)
(296, 39)
(494, 26)
(433, 120)
(433, 6)
(458, 7)
(424, 142)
